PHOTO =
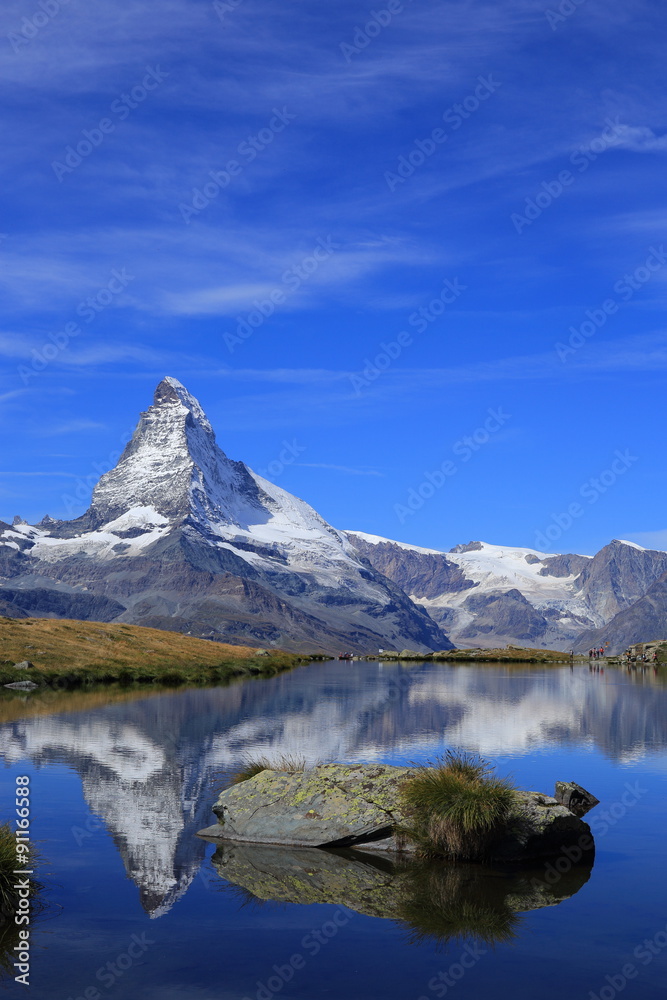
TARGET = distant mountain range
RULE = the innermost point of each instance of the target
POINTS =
(489, 595)
(179, 536)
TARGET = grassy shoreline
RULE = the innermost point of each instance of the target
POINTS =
(507, 654)
(69, 654)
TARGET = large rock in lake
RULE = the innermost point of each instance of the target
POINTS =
(333, 805)
(540, 827)
(359, 806)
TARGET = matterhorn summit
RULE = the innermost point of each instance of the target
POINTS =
(173, 466)
(181, 537)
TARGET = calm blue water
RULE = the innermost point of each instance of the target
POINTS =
(120, 789)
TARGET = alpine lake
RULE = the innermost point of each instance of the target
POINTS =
(136, 905)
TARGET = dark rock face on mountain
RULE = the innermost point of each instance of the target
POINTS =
(506, 614)
(643, 621)
(42, 603)
(418, 573)
(179, 536)
(468, 547)
(564, 565)
(619, 575)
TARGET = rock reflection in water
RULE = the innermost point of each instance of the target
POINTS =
(436, 901)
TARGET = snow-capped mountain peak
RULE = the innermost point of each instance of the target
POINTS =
(180, 533)
(171, 392)
(632, 545)
(174, 466)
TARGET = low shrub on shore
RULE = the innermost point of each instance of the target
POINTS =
(455, 807)
(9, 898)
(7, 866)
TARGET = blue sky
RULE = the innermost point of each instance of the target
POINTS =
(263, 199)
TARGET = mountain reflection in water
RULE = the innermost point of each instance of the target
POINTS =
(150, 764)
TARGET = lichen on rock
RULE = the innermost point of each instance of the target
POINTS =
(360, 806)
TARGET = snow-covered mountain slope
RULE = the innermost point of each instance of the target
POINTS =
(185, 538)
(179, 536)
(486, 595)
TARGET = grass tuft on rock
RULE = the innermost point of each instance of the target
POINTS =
(255, 765)
(456, 806)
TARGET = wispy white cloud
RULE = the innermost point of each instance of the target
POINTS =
(640, 139)
(293, 376)
(71, 427)
(330, 397)
(31, 475)
(645, 352)
(84, 353)
(12, 394)
(202, 271)
(345, 469)
(213, 301)
(14, 345)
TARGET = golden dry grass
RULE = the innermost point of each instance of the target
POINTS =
(69, 654)
(54, 644)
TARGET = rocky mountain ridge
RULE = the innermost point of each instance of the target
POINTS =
(179, 536)
(485, 595)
